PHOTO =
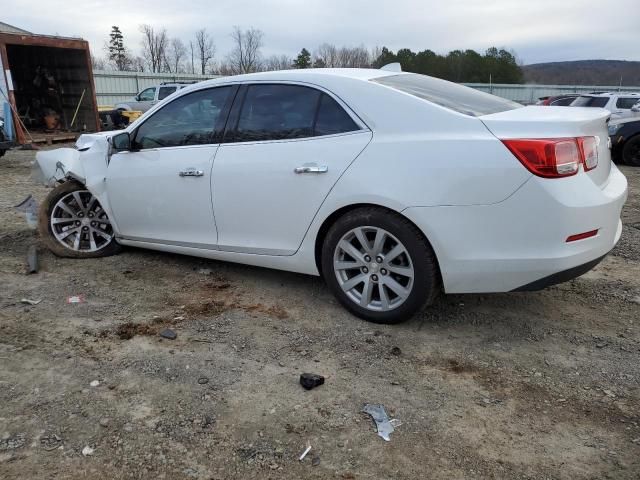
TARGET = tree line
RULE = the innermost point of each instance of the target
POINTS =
(164, 54)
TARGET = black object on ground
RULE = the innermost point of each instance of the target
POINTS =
(311, 380)
(168, 334)
(32, 259)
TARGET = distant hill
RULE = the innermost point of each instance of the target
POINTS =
(584, 72)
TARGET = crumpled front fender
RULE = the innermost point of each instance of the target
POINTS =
(87, 164)
(57, 165)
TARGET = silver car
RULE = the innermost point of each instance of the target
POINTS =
(148, 97)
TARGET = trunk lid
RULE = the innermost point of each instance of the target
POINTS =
(556, 122)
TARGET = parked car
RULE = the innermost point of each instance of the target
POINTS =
(625, 140)
(148, 97)
(619, 104)
(393, 186)
(5, 144)
(562, 100)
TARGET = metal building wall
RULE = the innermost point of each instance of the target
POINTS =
(116, 87)
(528, 94)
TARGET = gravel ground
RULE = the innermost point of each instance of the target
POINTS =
(538, 385)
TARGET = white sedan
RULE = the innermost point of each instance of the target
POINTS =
(393, 186)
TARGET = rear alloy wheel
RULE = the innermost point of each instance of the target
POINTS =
(72, 223)
(379, 265)
(631, 151)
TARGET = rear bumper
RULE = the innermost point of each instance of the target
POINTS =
(559, 277)
(521, 241)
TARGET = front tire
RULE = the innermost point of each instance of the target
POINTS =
(73, 224)
(631, 151)
(379, 265)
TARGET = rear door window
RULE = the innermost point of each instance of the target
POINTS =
(277, 112)
(446, 94)
(332, 118)
(164, 92)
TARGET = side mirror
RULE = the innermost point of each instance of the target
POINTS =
(121, 142)
(137, 98)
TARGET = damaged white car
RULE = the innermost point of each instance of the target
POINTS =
(392, 186)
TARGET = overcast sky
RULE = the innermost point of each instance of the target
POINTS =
(538, 30)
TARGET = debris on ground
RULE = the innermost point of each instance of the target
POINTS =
(396, 352)
(168, 334)
(29, 206)
(75, 299)
(32, 259)
(86, 451)
(311, 380)
(28, 301)
(94, 383)
(304, 454)
(315, 461)
(203, 380)
(384, 425)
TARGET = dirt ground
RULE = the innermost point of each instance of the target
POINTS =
(541, 385)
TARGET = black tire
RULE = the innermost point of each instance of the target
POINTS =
(426, 283)
(631, 151)
(47, 235)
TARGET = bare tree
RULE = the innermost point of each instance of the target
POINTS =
(276, 62)
(154, 46)
(138, 64)
(326, 55)
(97, 63)
(330, 56)
(205, 49)
(245, 56)
(176, 51)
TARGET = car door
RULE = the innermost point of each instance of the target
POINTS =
(160, 190)
(145, 99)
(285, 148)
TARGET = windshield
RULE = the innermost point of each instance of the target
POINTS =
(450, 95)
(585, 101)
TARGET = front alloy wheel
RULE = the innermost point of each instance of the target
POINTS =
(72, 223)
(379, 265)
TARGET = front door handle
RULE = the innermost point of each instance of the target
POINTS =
(311, 168)
(191, 172)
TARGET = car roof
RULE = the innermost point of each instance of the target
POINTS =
(610, 94)
(304, 74)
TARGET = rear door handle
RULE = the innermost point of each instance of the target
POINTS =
(311, 168)
(191, 172)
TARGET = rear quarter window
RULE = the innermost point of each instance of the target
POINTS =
(458, 98)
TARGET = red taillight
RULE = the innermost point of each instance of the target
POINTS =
(582, 236)
(589, 151)
(555, 157)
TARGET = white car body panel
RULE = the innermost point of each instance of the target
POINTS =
(280, 203)
(493, 225)
(147, 185)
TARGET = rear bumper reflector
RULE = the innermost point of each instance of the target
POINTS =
(582, 236)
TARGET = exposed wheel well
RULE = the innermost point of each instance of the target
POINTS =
(331, 219)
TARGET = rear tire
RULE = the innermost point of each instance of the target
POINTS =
(379, 265)
(631, 151)
(72, 224)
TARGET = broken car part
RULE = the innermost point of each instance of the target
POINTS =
(384, 425)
